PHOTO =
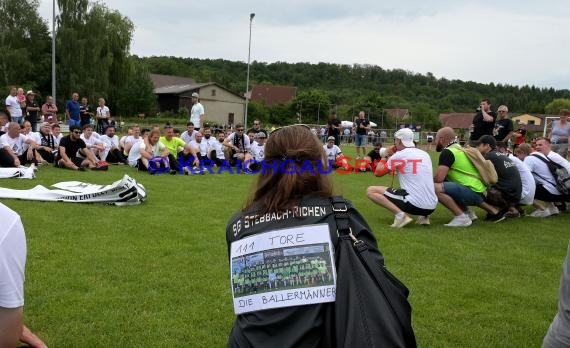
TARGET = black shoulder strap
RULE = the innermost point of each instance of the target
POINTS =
(340, 211)
(545, 160)
(548, 161)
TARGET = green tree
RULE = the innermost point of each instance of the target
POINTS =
(553, 108)
(93, 44)
(137, 94)
(25, 45)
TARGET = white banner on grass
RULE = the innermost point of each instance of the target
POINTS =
(18, 173)
(122, 192)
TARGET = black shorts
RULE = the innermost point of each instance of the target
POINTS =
(398, 197)
(76, 160)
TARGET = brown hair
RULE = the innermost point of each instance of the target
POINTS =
(278, 191)
(543, 138)
(524, 149)
(564, 112)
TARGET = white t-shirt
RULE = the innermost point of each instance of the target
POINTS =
(33, 136)
(135, 151)
(17, 144)
(202, 147)
(418, 183)
(13, 106)
(94, 139)
(57, 139)
(246, 143)
(195, 113)
(219, 147)
(188, 138)
(258, 151)
(12, 258)
(103, 112)
(110, 142)
(528, 184)
(332, 152)
(540, 171)
(157, 148)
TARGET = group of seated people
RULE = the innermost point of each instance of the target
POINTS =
(190, 153)
(523, 178)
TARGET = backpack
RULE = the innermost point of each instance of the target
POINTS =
(560, 174)
(487, 173)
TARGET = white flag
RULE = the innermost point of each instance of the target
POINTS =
(122, 192)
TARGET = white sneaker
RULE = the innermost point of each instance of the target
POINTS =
(399, 223)
(553, 210)
(541, 213)
(422, 220)
(460, 221)
(472, 215)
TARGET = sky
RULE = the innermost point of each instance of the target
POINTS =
(510, 42)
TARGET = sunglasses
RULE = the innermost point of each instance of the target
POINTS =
(293, 125)
(76, 132)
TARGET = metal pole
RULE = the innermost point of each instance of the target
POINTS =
(53, 55)
(251, 15)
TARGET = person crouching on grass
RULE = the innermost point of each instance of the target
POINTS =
(417, 194)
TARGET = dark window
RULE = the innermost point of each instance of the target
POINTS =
(531, 122)
(213, 93)
(231, 118)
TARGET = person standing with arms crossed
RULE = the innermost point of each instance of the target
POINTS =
(197, 112)
(362, 126)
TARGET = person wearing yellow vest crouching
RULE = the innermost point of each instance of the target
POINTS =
(457, 184)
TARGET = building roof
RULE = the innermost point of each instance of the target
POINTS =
(159, 80)
(181, 88)
(457, 120)
(272, 95)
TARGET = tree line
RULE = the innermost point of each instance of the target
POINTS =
(93, 58)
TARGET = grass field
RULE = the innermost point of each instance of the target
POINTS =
(156, 275)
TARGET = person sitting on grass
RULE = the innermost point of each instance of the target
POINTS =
(112, 153)
(189, 134)
(417, 194)
(18, 149)
(376, 154)
(200, 146)
(333, 152)
(47, 146)
(69, 148)
(173, 144)
(217, 154)
(258, 150)
(153, 147)
(238, 147)
(56, 132)
(92, 141)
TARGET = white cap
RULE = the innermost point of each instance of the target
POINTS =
(406, 135)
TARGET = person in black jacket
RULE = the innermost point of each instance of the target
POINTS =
(280, 247)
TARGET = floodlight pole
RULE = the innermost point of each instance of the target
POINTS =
(251, 15)
(53, 54)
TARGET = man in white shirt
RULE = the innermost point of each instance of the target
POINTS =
(133, 146)
(238, 146)
(93, 141)
(332, 152)
(415, 173)
(189, 134)
(200, 146)
(258, 150)
(14, 106)
(111, 154)
(545, 182)
(218, 155)
(12, 267)
(17, 148)
(153, 148)
(197, 112)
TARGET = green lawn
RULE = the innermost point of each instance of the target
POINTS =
(156, 275)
